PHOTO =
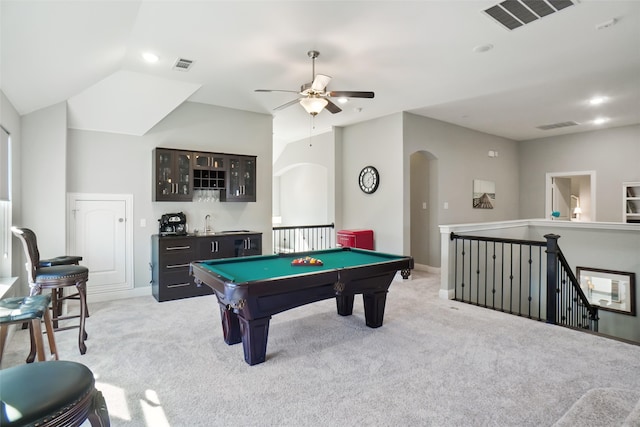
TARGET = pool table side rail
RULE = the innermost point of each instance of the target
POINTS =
(224, 278)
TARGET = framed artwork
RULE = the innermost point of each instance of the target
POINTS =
(608, 289)
(484, 194)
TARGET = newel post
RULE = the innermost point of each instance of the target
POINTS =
(552, 276)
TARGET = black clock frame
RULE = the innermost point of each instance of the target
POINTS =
(366, 188)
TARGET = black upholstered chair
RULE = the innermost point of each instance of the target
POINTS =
(57, 393)
(31, 309)
(53, 275)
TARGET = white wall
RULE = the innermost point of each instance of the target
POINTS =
(102, 162)
(614, 154)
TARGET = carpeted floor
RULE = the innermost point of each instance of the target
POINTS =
(433, 363)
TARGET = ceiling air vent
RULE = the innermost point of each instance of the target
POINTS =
(183, 64)
(557, 125)
(515, 13)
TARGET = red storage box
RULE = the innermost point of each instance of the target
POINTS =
(362, 239)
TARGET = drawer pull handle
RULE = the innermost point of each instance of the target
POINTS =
(178, 285)
(178, 266)
(177, 248)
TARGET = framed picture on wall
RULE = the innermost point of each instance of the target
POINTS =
(608, 289)
(484, 194)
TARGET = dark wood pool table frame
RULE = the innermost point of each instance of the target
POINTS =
(246, 308)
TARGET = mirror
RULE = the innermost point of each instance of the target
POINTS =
(609, 290)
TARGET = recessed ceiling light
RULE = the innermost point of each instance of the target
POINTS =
(597, 100)
(150, 57)
(606, 24)
(483, 48)
(343, 100)
(600, 121)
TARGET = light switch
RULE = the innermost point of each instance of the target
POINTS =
(424, 205)
(143, 222)
(446, 205)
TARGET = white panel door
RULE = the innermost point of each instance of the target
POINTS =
(98, 233)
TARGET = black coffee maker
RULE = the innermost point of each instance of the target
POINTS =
(173, 224)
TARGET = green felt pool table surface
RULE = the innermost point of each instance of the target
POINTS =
(257, 268)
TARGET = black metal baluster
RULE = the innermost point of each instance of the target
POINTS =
(540, 282)
(511, 278)
(493, 285)
(530, 278)
(455, 270)
(520, 280)
(478, 273)
(470, 268)
(502, 280)
(486, 271)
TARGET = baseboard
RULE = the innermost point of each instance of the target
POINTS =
(116, 295)
(446, 293)
(427, 268)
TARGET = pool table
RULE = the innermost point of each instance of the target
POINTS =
(252, 289)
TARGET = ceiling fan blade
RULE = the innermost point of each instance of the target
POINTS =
(320, 82)
(288, 104)
(350, 94)
(333, 108)
(275, 90)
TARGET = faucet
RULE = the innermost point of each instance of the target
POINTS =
(207, 228)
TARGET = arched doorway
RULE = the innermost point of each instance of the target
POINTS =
(424, 216)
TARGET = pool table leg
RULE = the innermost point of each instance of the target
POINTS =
(344, 304)
(230, 325)
(254, 339)
(374, 308)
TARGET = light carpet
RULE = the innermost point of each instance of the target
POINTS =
(433, 363)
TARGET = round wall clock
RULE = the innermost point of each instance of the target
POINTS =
(369, 179)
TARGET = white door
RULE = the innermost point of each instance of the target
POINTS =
(98, 232)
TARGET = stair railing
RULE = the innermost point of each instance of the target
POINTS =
(570, 307)
(302, 238)
(509, 275)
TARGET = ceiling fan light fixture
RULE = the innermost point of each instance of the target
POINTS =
(313, 105)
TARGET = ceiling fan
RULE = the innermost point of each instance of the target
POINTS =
(314, 96)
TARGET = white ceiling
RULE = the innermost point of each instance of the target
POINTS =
(417, 56)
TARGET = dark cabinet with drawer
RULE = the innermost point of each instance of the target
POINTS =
(170, 279)
(172, 255)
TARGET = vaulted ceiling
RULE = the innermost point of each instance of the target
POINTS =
(448, 60)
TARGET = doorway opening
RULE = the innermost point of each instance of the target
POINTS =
(424, 233)
(571, 196)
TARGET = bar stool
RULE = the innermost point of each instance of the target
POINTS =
(57, 296)
(59, 393)
(32, 309)
(55, 277)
